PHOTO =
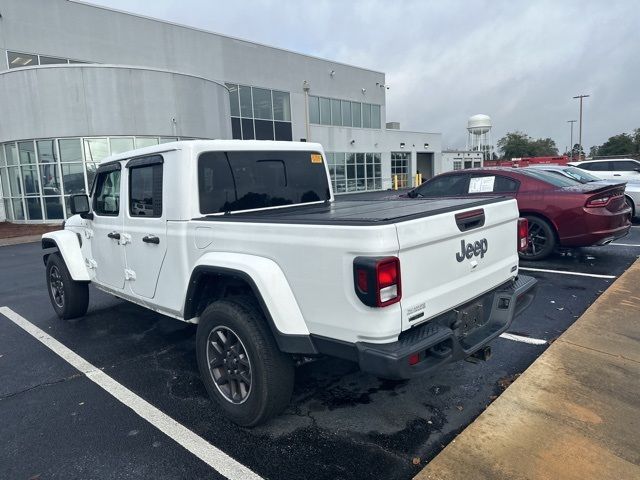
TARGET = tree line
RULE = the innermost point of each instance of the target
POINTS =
(621, 144)
(518, 144)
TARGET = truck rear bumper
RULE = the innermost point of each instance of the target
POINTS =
(451, 336)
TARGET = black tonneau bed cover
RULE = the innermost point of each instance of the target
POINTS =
(357, 212)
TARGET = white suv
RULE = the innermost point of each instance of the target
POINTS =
(625, 169)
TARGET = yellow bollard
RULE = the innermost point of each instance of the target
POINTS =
(395, 182)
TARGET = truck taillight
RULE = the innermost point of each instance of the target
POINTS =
(377, 280)
(523, 234)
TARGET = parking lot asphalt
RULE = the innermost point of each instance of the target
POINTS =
(56, 423)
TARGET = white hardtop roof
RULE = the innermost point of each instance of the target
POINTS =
(216, 145)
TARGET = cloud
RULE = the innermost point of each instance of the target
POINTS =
(519, 62)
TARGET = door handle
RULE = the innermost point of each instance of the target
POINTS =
(151, 239)
(616, 174)
(114, 235)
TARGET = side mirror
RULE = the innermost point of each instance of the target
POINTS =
(80, 206)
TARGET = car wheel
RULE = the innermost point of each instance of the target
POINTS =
(240, 363)
(630, 204)
(542, 240)
(70, 299)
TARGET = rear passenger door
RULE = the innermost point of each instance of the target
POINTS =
(144, 224)
(626, 170)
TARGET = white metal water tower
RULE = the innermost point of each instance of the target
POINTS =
(479, 138)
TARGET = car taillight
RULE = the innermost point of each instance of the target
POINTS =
(377, 280)
(598, 201)
(523, 234)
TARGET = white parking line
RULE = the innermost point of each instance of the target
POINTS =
(220, 461)
(625, 244)
(519, 338)
(580, 274)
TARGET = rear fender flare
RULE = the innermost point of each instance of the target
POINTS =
(267, 281)
(67, 244)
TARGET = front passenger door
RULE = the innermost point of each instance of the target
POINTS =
(107, 224)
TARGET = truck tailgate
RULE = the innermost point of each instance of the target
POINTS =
(443, 267)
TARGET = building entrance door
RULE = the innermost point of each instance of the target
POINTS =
(424, 164)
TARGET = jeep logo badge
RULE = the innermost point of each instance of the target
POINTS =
(468, 250)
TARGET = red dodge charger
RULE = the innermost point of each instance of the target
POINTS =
(561, 212)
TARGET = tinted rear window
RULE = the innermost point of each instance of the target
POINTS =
(232, 181)
(580, 175)
(548, 177)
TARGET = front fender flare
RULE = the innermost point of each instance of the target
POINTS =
(66, 242)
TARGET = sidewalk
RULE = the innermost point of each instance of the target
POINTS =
(573, 414)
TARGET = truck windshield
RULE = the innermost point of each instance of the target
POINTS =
(232, 181)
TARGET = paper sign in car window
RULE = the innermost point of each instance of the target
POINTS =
(316, 158)
(481, 184)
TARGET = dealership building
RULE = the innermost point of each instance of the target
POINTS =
(80, 82)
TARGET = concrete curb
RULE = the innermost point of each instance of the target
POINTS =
(573, 414)
(5, 242)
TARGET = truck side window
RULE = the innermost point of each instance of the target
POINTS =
(236, 180)
(107, 194)
(145, 191)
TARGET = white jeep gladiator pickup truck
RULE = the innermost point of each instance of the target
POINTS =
(244, 238)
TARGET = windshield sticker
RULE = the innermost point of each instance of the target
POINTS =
(481, 184)
(316, 158)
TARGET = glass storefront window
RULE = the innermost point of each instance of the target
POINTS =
(30, 180)
(246, 109)
(346, 113)
(73, 178)
(143, 142)
(281, 106)
(234, 99)
(96, 149)
(34, 174)
(325, 111)
(375, 116)
(366, 115)
(11, 153)
(18, 209)
(27, 153)
(53, 208)
(119, 145)
(336, 115)
(14, 181)
(262, 106)
(4, 179)
(70, 150)
(34, 209)
(314, 109)
(356, 113)
(7, 209)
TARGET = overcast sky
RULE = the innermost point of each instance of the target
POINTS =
(520, 62)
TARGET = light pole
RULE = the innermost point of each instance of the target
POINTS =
(571, 143)
(580, 128)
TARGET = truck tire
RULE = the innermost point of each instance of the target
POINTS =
(70, 299)
(542, 239)
(240, 363)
